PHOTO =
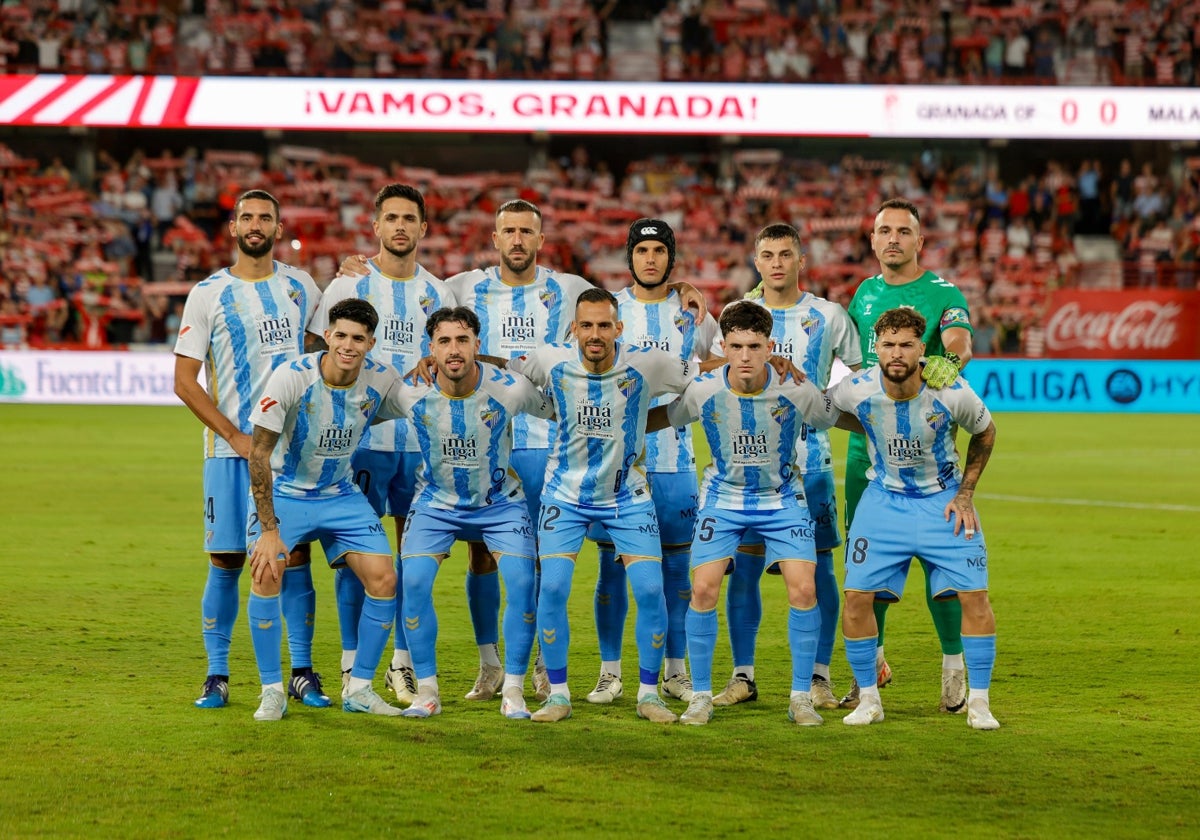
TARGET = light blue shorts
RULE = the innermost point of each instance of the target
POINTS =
(504, 527)
(786, 534)
(343, 524)
(632, 527)
(675, 497)
(387, 479)
(889, 529)
(227, 504)
(821, 496)
(530, 467)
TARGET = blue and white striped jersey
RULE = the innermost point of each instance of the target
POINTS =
(242, 330)
(752, 438)
(515, 320)
(404, 305)
(911, 442)
(466, 442)
(811, 332)
(595, 457)
(320, 425)
(667, 326)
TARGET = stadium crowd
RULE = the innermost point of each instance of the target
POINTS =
(873, 41)
(109, 263)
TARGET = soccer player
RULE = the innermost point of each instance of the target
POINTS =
(752, 420)
(918, 502)
(466, 490)
(521, 306)
(307, 426)
(239, 325)
(653, 315)
(809, 331)
(404, 294)
(897, 241)
(602, 392)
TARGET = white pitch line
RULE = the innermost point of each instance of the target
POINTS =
(1093, 503)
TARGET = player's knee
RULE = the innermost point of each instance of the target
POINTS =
(705, 595)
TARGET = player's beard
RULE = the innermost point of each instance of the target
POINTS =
(400, 253)
(909, 370)
(512, 264)
(260, 250)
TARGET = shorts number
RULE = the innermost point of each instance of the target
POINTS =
(549, 515)
(859, 554)
(363, 479)
(210, 510)
(705, 530)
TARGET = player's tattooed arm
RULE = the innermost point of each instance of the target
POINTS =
(269, 548)
(979, 450)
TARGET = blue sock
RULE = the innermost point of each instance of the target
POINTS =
(298, 603)
(860, 653)
(420, 621)
(743, 606)
(979, 653)
(218, 615)
(554, 631)
(677, 590)
(350, 593)
(650, 627)
(804, 626)
(266, 634)
(701, 641)
(612, 603)
(828, 601)
(520, 612)
(483, 600)
(373, 629)
(399, 643)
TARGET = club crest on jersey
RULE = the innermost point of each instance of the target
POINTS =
(548, 297)
(626, 385)
(295, 295)
(427, 304)
(367, 407)
(490, 417)
(937, 419)
(809, 323)
(779, 413)
(682, 320)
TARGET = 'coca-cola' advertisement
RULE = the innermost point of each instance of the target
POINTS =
(1133, 324)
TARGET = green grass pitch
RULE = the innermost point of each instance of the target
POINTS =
(1092, 525)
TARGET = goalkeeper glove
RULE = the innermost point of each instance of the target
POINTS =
(941, 371)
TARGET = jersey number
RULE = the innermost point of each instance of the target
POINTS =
(549, 515)
(210, 511)
(705, 531)
(859, 555)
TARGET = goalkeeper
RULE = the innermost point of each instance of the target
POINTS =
(896, 240)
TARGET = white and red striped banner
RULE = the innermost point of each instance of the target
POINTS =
(602, 107)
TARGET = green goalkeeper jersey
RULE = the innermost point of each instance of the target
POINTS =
(939, 302)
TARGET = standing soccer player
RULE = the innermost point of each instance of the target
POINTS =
(653, 315)
(752, 420)
(466, 491)
(306, 428)
(602, 392)
(240, 324)
(521, 306)
(385, 466)
(918, 502)
(897, 241)
(808, 331)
